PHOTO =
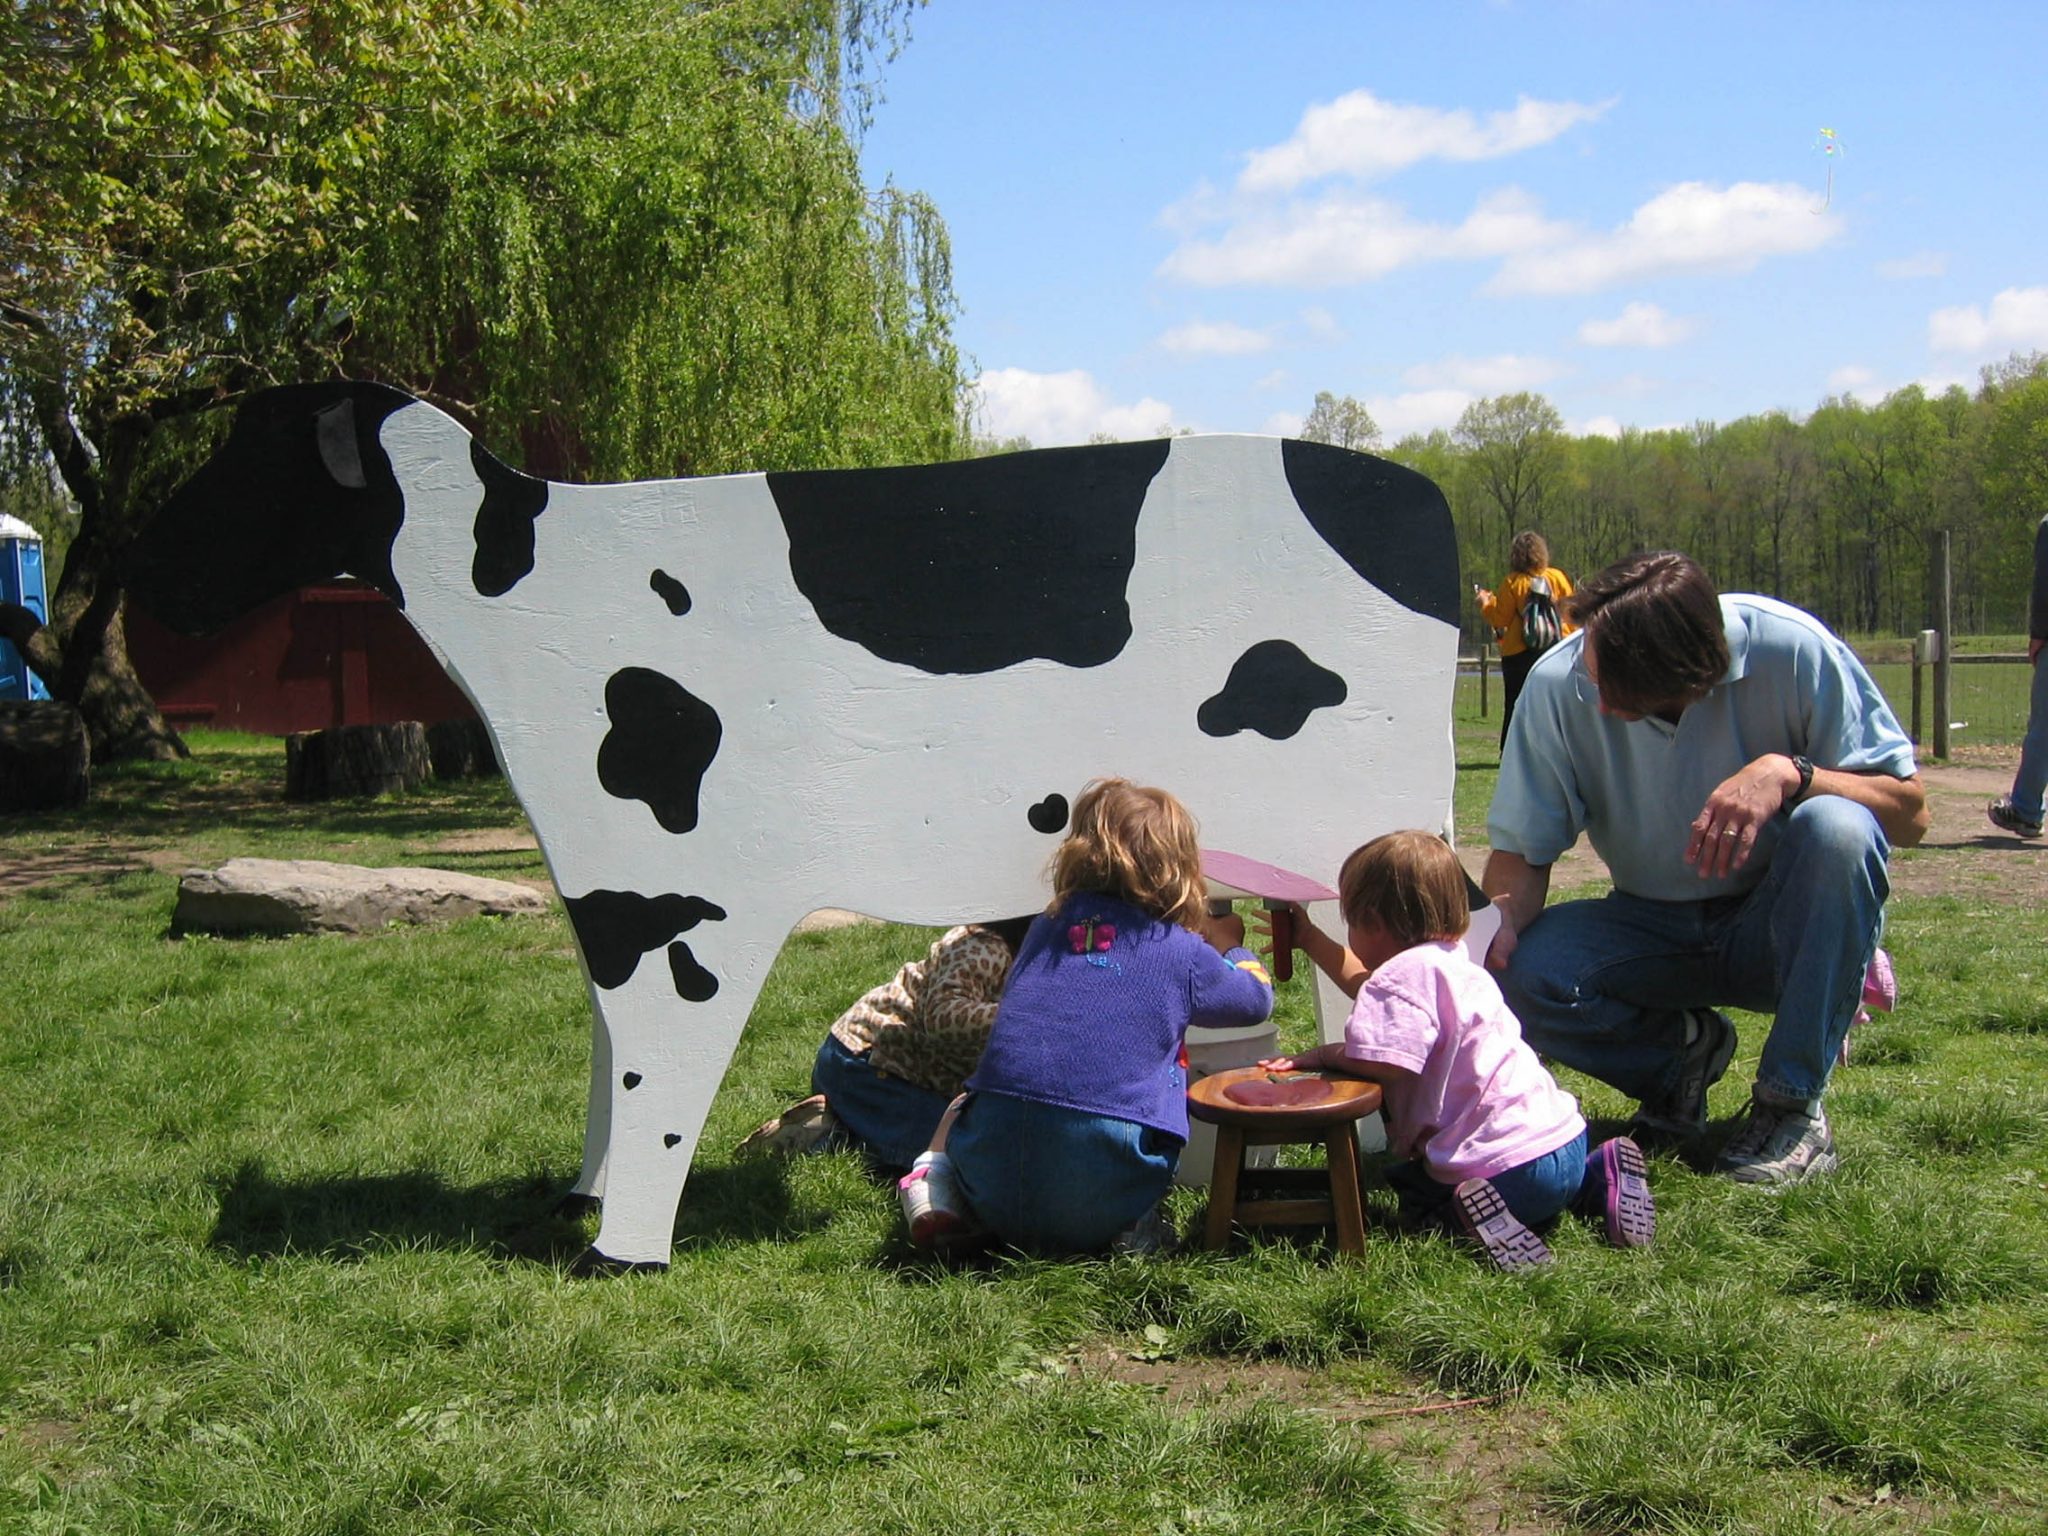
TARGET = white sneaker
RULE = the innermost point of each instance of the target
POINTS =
(1778, 1144)
(930, 1195)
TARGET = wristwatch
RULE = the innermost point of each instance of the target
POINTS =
(1805, 766)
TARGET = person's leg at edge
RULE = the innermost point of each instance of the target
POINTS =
(2030, 781)
(1602, 986)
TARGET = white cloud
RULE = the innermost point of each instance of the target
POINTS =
(1214, 338)
(1638, 325)
(2018, 320)
(1348, 238)
(1282, 424)
(1321, 325)
(1277, 379)
(1921, 264)
(1857, 382)
(1692, 227)
(1505, 374)
(1056, 408)
(1361, 136)
(1422, 410)
(1597, 426)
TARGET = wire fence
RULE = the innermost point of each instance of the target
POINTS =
(1987, 703)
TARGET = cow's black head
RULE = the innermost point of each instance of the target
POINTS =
(300, 492)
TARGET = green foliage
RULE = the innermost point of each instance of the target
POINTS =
(676, 268)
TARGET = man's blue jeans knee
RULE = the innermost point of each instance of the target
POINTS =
(1602, 986)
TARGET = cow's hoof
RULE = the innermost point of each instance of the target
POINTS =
(592, 1265)
(574, 1206)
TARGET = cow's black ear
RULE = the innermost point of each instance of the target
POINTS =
(334, 429)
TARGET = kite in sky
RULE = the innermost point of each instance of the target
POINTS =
(1831, 148)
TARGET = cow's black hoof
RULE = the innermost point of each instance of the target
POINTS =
(574, 1206)
(592, 1265)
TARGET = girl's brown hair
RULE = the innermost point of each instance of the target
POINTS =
(1409, 883)
(1529, 553)
(1134, 843)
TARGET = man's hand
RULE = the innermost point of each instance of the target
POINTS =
(1724, 833)
(1502, 949)
(1518, 888)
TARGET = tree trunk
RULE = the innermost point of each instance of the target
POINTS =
(96, 676)
(45, 763)
(356, 760)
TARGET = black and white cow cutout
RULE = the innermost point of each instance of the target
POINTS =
(725, 703)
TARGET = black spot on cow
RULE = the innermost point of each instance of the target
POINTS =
(973, 566)
(616, 928)
(300, 492)
(663, 738)
(631, 1081)
(694, 984)
(1049, 815)
(670, 591)
(504, 523)
(1273, 688)
(1390, 524)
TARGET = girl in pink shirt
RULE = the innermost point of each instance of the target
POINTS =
(1487, 1135)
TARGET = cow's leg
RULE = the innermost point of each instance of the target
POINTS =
(666, 1059)
(597, 1121)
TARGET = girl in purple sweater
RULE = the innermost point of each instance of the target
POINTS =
(1072, 1123)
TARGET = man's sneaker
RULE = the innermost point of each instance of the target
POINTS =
(1778, 1144)
(932, 1206)
(1150, 1236)
(1617, 1190)
(1681, 1113)
(803, 1127)
(1486, 1219)
(2008, 817)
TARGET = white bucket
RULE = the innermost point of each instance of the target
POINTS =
(1218, 1050)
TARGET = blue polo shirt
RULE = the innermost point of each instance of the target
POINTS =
(1634, 786)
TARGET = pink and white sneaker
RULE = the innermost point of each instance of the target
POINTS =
(932, 1206)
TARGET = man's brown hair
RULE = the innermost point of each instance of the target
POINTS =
(1409, 883)
(1654, 624)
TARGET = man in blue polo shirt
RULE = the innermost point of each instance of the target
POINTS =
(1745, 782)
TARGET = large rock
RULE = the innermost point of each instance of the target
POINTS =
(314, 896)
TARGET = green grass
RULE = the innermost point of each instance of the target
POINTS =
(278, 1254)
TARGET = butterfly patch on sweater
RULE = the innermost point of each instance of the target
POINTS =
(1093, 939)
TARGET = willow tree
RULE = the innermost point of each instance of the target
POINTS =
(175, 178)
(677, 268)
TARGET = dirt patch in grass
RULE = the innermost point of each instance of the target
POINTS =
(1477, 1452)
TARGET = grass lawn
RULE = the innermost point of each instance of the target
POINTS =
(278, 1254)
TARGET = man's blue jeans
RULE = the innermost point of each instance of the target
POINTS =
(1601, 985)
(2031, 780)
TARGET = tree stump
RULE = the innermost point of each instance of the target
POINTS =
(461, 749)
(356, 760)
(45, 756)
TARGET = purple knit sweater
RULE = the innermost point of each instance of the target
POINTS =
(1096, 1006)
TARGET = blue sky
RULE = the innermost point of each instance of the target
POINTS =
(1196, 215)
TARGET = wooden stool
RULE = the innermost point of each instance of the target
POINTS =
(1313, 1198)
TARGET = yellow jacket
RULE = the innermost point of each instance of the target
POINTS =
(1504, 613)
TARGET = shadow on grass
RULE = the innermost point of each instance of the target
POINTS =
(354, 1217)
(530, 1219)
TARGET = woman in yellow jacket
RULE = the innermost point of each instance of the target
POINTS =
(1528, 562)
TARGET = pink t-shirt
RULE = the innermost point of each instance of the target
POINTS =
(1481, 1102)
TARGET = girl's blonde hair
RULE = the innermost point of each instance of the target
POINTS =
(1409, 883)
(1134, 843)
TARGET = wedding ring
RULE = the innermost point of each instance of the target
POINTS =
(1728, 831)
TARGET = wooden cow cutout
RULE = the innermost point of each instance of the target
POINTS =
(725, 703)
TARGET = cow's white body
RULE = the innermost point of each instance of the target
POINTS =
(846, 780)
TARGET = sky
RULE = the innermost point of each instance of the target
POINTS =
(1196, 215)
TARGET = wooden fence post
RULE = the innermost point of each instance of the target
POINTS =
(1944, 622)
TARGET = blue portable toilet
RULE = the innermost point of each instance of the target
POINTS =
(21, 581)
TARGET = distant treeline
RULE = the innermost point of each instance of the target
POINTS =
(1831, 511)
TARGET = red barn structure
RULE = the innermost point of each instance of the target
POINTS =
(331, 655)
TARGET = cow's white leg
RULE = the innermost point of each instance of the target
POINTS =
(663, 1062)
(597, 1120)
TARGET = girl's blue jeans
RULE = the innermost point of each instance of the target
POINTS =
(1057, 1180)
(1602, 986)
(1535, 1191)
